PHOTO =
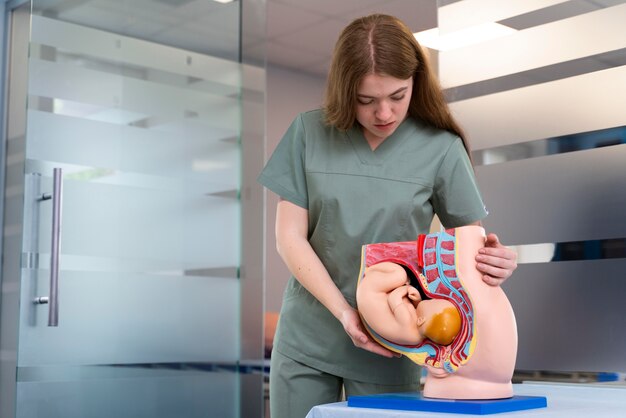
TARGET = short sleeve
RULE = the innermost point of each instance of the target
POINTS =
(456, 198)
(284, 173)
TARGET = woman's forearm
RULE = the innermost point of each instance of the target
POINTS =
(307, 268)
(302, 261)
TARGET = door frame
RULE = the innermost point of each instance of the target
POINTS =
(10, 276)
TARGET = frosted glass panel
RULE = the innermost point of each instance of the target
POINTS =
(139, 103)
(547, 110)
(172, 222)
(558, 291)
(545, 106)
(203, 154)
(126, 100)
(156, 393)
(576, 196)
(150, 243)
(87, 41)
(125, 318)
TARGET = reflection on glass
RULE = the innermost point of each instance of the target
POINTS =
(572, 251)
(539, 75)
(559, 11)
(551, 146)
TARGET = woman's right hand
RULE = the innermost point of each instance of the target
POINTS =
(353, 326)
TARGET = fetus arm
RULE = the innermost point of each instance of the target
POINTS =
(397, 297)
(402, 307)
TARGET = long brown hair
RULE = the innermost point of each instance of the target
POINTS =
(383, 44)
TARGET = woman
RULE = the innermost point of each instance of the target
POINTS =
(375, 165)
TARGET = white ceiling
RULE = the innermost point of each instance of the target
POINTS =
(301, 33)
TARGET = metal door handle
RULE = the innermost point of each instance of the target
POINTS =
(55, 250)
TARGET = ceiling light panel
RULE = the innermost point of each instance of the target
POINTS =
(463, 14)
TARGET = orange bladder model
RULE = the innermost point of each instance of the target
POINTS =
(426, 300)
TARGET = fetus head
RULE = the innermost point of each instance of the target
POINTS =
(438, 320)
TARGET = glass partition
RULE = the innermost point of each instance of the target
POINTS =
(139, 105)
(542, 102)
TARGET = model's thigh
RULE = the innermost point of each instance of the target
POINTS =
(296, 388)
(354, 387)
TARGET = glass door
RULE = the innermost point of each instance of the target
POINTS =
(122, 211)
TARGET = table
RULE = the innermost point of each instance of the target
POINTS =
(564, 401)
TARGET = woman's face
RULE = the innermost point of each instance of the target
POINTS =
(382, 105)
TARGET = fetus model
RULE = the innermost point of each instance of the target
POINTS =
(426, 300)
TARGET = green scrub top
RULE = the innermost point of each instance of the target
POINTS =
(357, 196)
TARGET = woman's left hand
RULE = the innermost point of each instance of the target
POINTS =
(495, 261)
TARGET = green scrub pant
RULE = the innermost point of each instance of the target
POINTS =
(295, 388)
